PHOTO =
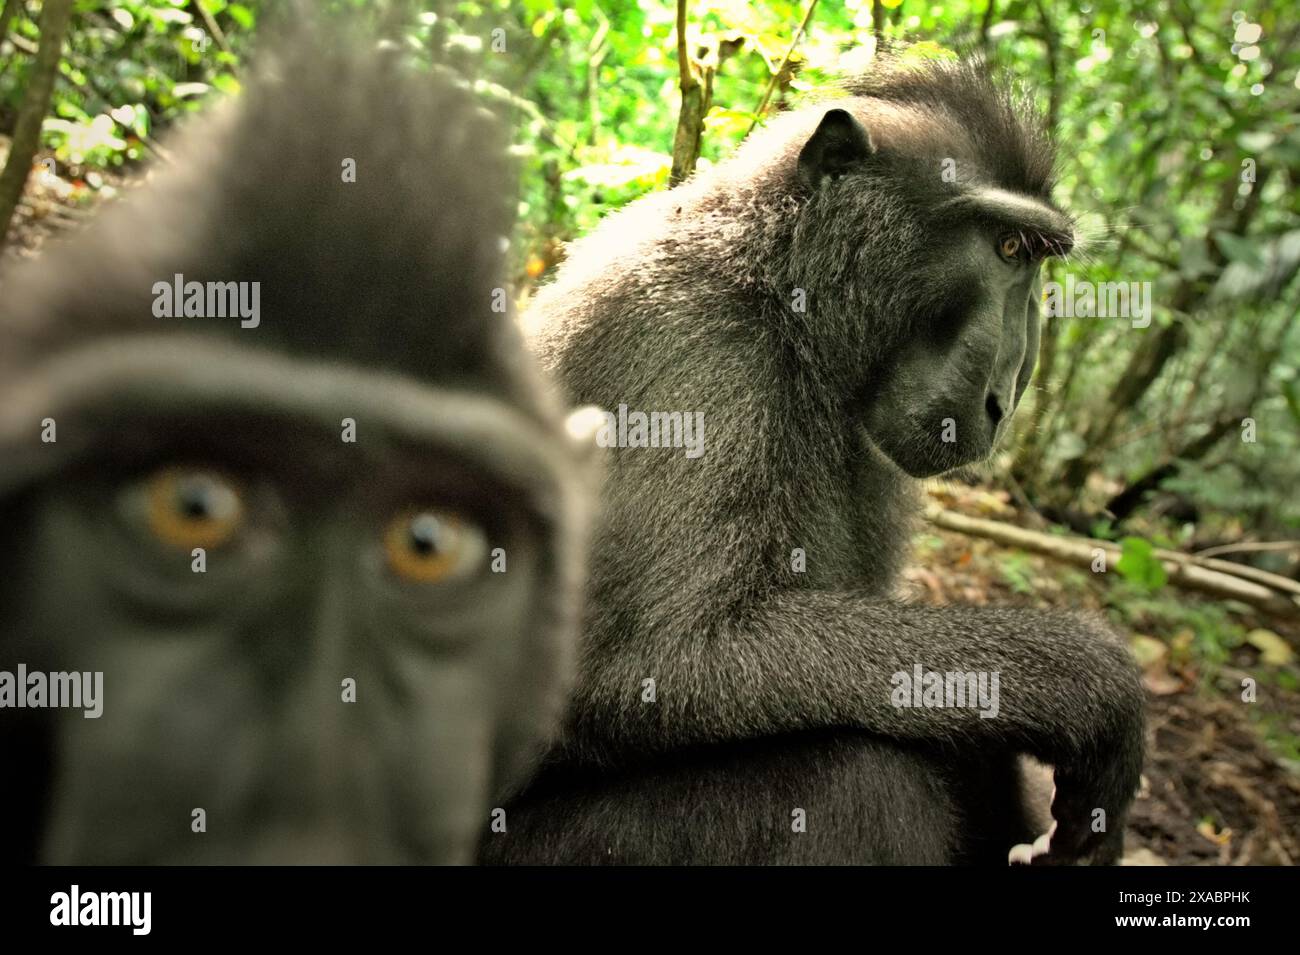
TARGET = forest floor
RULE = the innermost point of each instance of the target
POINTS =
(52, 205)
(1221, 785)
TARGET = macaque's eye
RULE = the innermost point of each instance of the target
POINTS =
(1009, 247)
(430, 546)
(192, 507)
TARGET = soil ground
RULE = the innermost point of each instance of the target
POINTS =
(1218, 788)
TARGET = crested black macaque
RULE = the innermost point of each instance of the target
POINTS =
(849, 303)
(277, 479)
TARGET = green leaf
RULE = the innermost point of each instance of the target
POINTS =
(241, 15)
(1238, 249)
(1273, 649)
(1292, 398)
(1256, 142)
(1139, 565)
(186, 90)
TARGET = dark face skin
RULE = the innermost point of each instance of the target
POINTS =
(950, 393)
(957, 272)
(223, 690)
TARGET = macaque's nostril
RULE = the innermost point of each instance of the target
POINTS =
(994, 408)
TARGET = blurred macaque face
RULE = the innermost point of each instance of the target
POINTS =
(305, 657)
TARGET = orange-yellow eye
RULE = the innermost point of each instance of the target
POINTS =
(1009, 246)
(428, 546)
(190, 508)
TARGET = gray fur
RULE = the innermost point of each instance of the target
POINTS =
(683, 301)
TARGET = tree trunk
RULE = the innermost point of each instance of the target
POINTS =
(55, 15)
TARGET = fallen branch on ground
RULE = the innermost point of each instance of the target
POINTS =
(1183, 569)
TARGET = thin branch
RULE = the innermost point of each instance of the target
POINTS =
(1182, 569)
(683, 59)
(985, 24)
(771, 81)
(1248, 547)
(7, 15)
(213, 28)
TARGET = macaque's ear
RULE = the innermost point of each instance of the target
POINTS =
(839, 142)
